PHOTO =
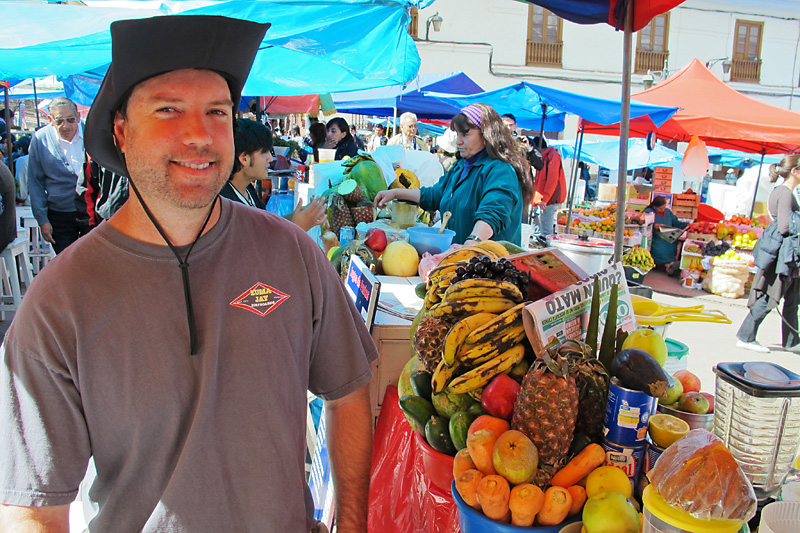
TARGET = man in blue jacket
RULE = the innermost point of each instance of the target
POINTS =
(55, 167)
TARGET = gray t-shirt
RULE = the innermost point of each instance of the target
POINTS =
(97, 363)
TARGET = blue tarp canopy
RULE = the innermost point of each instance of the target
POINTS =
(734, 158)
(606, 153)
(526, 100)
(313, 46)
(382, 101)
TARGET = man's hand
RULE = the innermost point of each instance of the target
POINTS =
(310, 215)
(349, 434)
(47, 232)
(15, 519)
(537, 198)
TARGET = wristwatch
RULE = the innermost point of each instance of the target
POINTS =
(473, 237)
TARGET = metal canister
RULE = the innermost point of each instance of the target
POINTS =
(629, 459)
(627, 413)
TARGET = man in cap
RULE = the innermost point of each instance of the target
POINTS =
(186, 378)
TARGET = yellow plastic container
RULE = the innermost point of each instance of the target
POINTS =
(661, 517)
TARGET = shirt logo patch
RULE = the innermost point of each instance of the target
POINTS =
(260, 299)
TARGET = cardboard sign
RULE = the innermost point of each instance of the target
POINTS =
(565, 314)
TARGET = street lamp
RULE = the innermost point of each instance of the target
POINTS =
(726, 64)
(652, 77)
(434, 19)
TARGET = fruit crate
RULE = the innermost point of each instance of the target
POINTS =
(704, 237)
(686, 200)
(682, 211)
(688, 243)
(627, 240)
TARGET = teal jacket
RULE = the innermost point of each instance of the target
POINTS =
(490, 192)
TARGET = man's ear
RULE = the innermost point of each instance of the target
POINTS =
(119, 130)
(243, 159)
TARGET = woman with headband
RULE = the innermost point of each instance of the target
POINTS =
(487, 189)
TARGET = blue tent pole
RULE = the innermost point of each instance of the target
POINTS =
(622, 176)
(36, 104)
(758, 180)
(573, 181)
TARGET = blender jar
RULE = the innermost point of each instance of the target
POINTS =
(757, 416)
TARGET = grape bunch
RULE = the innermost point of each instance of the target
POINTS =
(715, 249)
(501, 269)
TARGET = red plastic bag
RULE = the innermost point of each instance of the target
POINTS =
(401, 499)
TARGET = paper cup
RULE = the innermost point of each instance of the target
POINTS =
(527, 233)
(326, 154)
(780, 517)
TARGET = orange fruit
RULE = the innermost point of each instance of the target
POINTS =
(666, 429)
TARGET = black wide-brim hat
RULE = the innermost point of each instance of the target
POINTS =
(144, 48)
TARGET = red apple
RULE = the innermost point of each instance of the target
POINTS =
(499, 396)
(710, 398)
(376, 240)
(690, 382)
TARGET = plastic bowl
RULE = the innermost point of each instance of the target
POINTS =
(472, 521)
(437, 466)
(780, 517)
(426, 239)
(694, 421)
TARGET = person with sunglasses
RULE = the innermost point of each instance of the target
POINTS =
(55, 168)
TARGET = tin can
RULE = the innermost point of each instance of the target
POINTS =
(627, 414)
(346, 235)
(652, 455)
(629, 459)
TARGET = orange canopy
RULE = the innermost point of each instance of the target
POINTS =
(718, 114)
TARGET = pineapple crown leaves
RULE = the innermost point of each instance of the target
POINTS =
(556, 364)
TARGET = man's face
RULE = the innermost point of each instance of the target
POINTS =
(65, 121)
(256, 165)
(177, 138)
(409, 128)
(380, 130)
(511, 125)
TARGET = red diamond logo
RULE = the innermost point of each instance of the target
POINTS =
(260, 299)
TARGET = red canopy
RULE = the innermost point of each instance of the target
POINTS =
(279, 105)
(718, 114)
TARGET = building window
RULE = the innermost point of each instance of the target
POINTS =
(544, 45)
(747, 51)
(652, 45)
(414, 24)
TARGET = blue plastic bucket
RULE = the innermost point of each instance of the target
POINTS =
(472, 521)
(629, 459)
(627, 414)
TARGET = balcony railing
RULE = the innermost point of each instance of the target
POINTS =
(747, 70)
(647, 60)
(544, 54)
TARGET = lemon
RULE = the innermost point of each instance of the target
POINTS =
(666, 429)
(608, 479)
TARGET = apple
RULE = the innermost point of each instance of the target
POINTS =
(649, 341)
(673, 393)
(693, 402)
(690, 382)
(499, 396)
(610, 512)
(515, 457)
(710, 398)
(376, 240)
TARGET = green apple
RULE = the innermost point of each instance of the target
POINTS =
(673, 392)
(650, 341)
(610, 512)
(693, 402)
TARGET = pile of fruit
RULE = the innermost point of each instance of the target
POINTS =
(684, 395)
(732, 255)
(707, 228)
(745, 221)
(640, 258)
(714, 249)
(745, 241)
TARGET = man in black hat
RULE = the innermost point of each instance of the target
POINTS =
(186, 379)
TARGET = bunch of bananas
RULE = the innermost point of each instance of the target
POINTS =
(479, 347)
(440, 278)
(640, 258)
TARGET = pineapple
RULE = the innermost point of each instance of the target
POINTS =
(546, 410)
(428, 340)
(592, 380)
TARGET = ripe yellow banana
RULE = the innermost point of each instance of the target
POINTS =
(464, 253)
(493, 246)
(480, 353)
(455, 337)
(481, 376)
(476, 394)
(442, 271)
(492, 329)
(431, 298)
(482, 287)
(470, 306)
(442, 376)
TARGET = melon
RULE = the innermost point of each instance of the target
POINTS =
(400, 259)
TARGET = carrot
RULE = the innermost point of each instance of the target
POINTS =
(480, 446)
(578, 494)
(525, 501)
(462, 462)
(590, 458)
(467, 486)
(557, 503)
(493, 494)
